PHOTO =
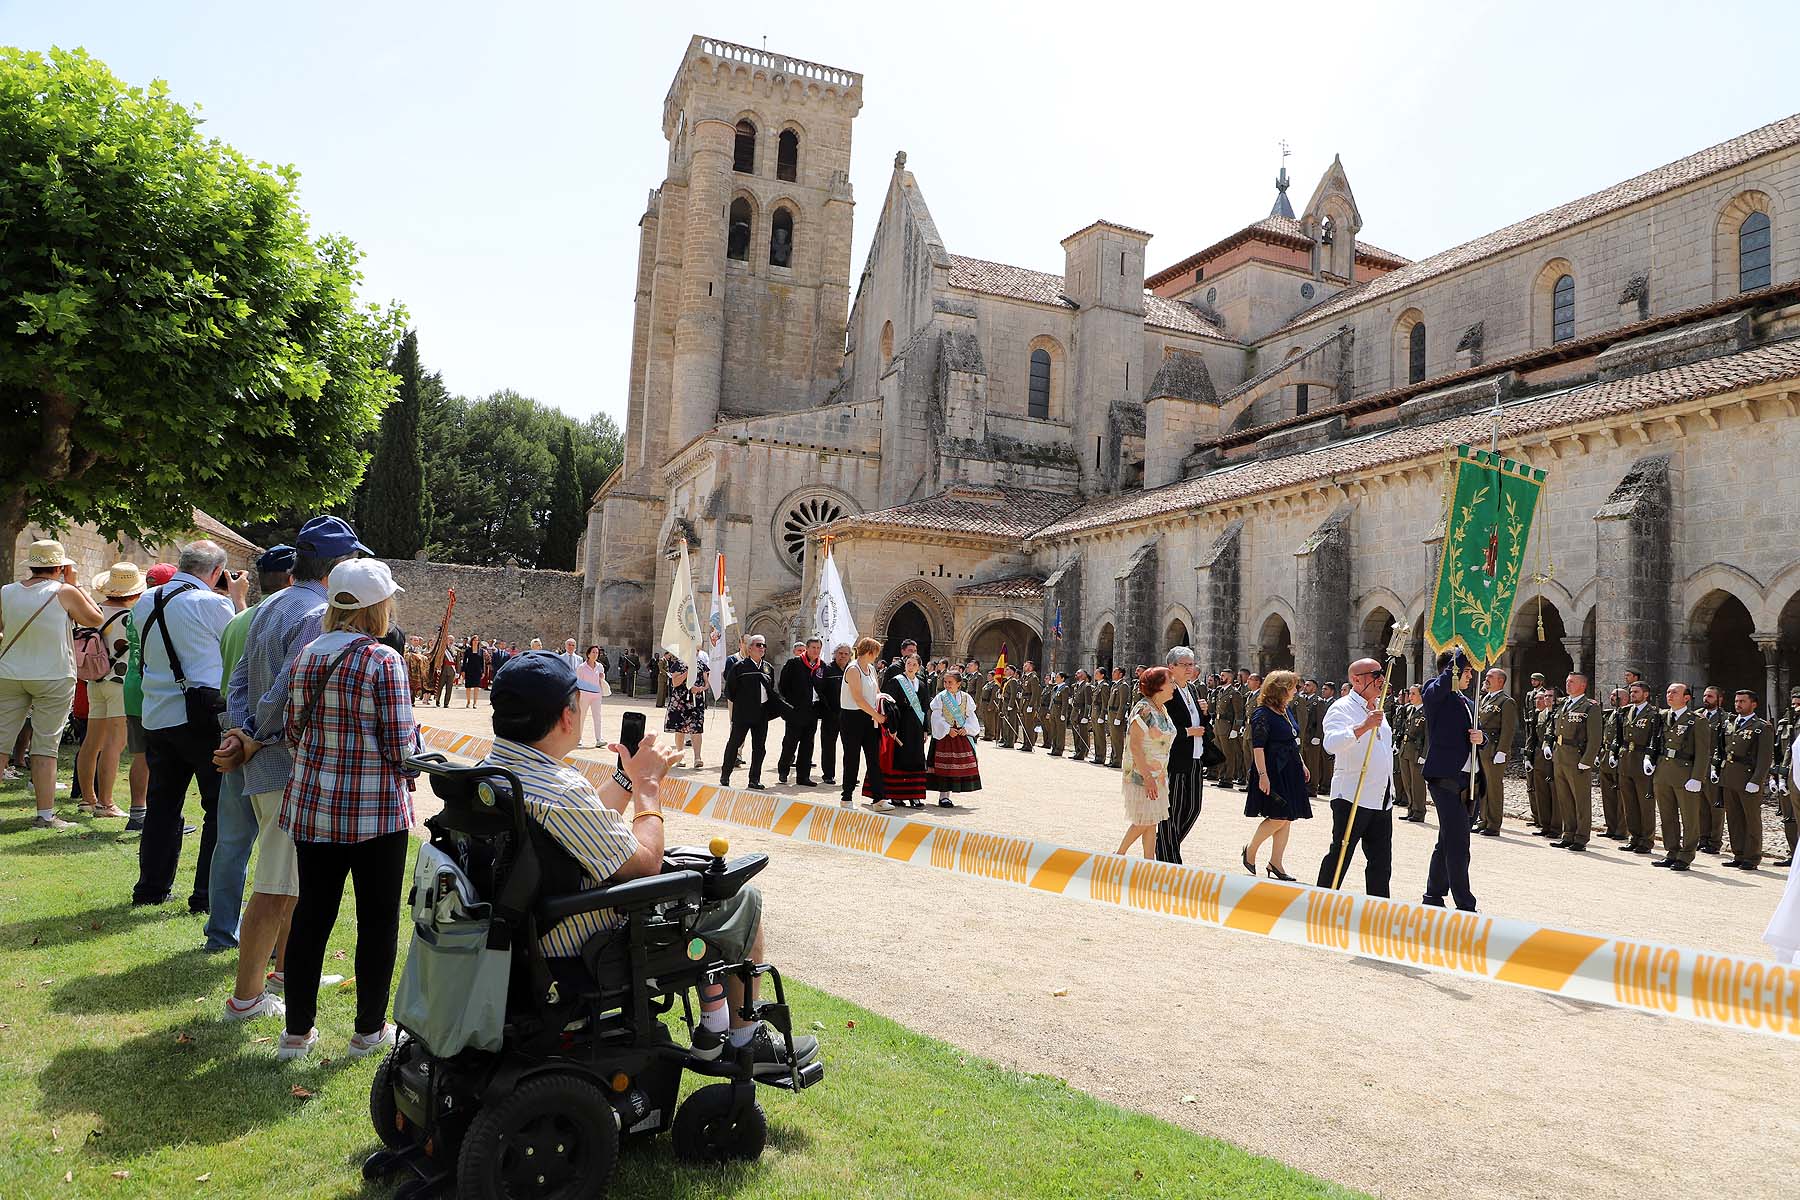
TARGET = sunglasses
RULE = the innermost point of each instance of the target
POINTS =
(1367, 674)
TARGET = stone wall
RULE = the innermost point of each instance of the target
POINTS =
(94, 553)
(508, 603)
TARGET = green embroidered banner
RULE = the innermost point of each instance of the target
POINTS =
(1492, 502)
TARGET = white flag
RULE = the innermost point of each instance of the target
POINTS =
(831, 618)
(681, 627)
(721, 619)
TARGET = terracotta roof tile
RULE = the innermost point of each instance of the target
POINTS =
(220, 532)
(1778, 135)
(1594, 401)
(997, 511)
(1273, 227)
(1020, 283)
(1014, 587)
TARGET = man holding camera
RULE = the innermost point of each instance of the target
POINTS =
(179, 624)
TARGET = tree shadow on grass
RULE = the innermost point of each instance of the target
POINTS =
(158, 1090)
(66, 928)
(147, 985)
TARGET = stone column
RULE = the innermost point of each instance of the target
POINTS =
(1322, 643)
(1218, 605)
(1136, 606)
(1770, 645)
(700, 324)
(1572, 647)
(1062, 591)
(1634, 533)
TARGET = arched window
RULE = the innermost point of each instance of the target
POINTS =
(1753, 252)
(1562, 309)
(887, 343)
(787, 156)
(737, 231)
(781, 239)
(1415, 353)
(1038, 403)
(743, 152)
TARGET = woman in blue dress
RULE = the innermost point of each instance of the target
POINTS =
(1278, 785)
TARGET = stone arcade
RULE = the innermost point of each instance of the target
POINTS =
(1243, 450)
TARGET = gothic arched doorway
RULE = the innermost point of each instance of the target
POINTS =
(908, 621)
(1014, 636)
(1103, 648)
(1377, 632)
(1729, 657)
(1530, 653)
(1176, 635)
(1274, 646)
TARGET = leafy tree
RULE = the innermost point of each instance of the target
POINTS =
(171, 335)
(390, 504)
(568, 510)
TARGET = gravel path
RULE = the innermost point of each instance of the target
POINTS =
(1377, 1076)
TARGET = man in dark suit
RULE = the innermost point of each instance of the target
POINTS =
(828, 692)
(1186, 778)
(1450, 741)
(799, 678)
(750, 690)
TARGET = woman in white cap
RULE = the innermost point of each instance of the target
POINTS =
(348, 803)
(97, 766)
(37, 665)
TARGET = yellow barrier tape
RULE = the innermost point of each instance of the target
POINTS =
(1714, 989)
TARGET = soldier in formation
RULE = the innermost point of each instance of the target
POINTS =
(1497, 716)
(1409, 753)
(1056, 715)
(1081, 694)
(1031, 707)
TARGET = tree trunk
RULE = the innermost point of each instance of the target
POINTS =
(55, 460)
(12, 524)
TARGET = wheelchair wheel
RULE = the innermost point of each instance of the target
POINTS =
(706, 1132)
(382, 1110)
(554, 1137)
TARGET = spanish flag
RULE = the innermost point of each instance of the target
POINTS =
(1000, 663)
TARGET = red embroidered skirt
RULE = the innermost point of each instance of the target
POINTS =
(899, 782)
(951, 765)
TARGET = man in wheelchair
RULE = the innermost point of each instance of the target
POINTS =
(616, 834)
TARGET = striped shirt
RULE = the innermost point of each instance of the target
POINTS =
(567, 806)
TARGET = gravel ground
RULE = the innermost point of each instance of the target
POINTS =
(1377, 1076)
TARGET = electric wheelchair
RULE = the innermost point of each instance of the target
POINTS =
(516, 1074)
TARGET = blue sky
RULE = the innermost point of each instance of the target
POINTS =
(492, 160)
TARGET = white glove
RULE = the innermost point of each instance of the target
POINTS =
(1549, 752)
(1584, 766)
(1712, 776)
(1648, 769)
(1692, 785)
(1499, 758)
(1234, 733)
(1752, 788)
(1421, 762)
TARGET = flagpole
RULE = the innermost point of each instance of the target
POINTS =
(1395, 649)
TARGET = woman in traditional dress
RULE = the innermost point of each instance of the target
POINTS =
(1148, 735)
(950, 764)
(686, 711)
(903, 741)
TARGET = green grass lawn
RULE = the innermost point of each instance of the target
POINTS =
(119, 1078)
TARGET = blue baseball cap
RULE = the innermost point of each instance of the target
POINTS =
(329, 537)
(535, 683)
(276, 558)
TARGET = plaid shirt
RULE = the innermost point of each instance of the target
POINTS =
(349, 783)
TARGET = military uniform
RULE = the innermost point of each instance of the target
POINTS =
(1743, 773)
(1327, 762)
(1098, 701)
(1055, 718)
(1497, 716)
(1785, 789)
(1031, 710)
(1712, 814)
(987, 707)
(1686, 758)
(1577, 746)
(1538, 744)
(1612, 784)
(1418, 798)
(1642, 740)
(1232, 710)
(1009, 712)
(1117, 706)
(1080, 693)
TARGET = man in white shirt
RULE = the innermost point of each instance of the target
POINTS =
(570, 659)
(1357, 733)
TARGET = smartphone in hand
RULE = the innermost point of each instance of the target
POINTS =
(631, 732)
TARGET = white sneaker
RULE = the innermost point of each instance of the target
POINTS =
(265, 1005)
(361, 1046)
(291, 1047)
(882, 806)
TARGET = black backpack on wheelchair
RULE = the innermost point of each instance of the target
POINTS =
(517, 1074)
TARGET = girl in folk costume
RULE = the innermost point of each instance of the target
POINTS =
(950, 765)
(902, 741)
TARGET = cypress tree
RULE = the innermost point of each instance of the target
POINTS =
(568, 515)
(390, 505)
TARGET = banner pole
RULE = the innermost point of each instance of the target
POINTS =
(1396, 649)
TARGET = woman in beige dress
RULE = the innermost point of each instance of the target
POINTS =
(1148, 735)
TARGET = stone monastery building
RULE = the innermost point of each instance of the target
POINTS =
(1243, 449)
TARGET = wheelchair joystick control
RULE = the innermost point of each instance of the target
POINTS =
(720, 847)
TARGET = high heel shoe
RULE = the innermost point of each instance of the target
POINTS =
(1245, 859)
(1276, 873)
